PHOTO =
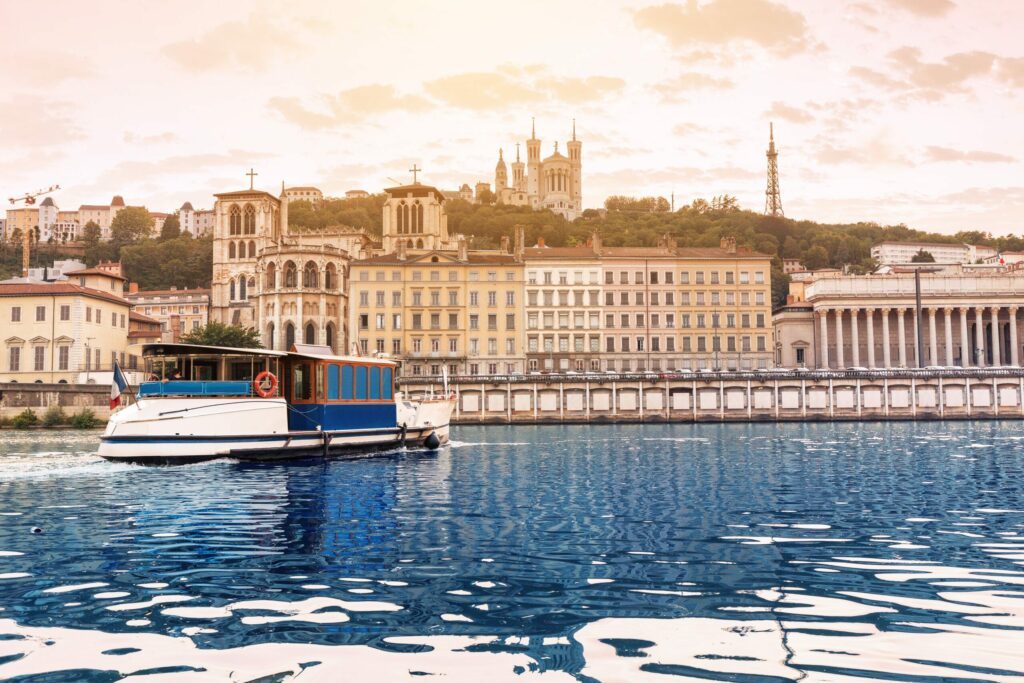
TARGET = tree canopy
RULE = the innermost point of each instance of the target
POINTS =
(131, 224)
(922, 256)
(161, 264)
(219, 334)
(171, 228)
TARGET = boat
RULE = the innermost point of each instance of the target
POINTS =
(207, 402)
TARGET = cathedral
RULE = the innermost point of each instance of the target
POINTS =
(555, 182)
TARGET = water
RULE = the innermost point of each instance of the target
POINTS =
(621, 553)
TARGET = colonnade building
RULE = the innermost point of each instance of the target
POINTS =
(871, 321)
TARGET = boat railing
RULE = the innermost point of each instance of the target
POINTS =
(189, 388)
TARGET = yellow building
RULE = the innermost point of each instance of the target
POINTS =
(61, 332)
(20, 221)
(461, 310)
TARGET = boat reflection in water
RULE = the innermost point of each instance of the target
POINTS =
(722, 552)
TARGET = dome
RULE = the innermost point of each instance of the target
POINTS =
(118, 200)
(187, 206)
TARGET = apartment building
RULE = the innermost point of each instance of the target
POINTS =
(178, 311)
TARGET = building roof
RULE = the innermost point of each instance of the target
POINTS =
(96, 271)
(57, 289)
(245, 193)
(187, 206)
(559, 252)
(93, 207)
(960, 245)
(138, 317)
(302, 187)
(118, 200)
(47, 202)
(450, 258)
(167, 292)
(416, 190)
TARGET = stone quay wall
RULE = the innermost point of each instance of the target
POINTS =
(16, 396)
(995, 393)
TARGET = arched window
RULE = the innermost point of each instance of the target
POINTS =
(330, 337)
(289, 274)
(271, 278)
(252, 249)
(235, 220)
(419, 217)
(289, 336)
(310, 276)
(270, 336)
(419, 244)
(249, 223)
(408, 243)
(231, 250)
(310, 336)
(252, 286)
(400, 215)
(414, 214)
(330, 277)
(242, 289)
(232, 292)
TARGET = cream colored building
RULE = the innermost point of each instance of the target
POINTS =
(102, 215)
(179, 311)
(554, 182)
(306, 194)
(871, 321)
(54, 332)
(414, 216)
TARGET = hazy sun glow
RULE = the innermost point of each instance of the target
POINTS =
(887, 110)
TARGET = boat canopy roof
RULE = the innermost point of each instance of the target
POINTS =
(302, 351)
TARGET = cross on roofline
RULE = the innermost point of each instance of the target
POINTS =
(252, 177)
(414, 170)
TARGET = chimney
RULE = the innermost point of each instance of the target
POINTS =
(595, 242)
(729, 244)
(504, 244)
(540, 242)
(463, 249)
(133, 287)
(401, 250)
(667, 242)
(520, 241)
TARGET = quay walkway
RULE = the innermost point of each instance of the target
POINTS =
(734, 396)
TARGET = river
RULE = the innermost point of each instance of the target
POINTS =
(729, 552)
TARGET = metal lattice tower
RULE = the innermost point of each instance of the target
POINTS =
(772, 196)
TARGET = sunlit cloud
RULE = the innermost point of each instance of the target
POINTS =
(924, 8)
(152, 139)
(32, 121)
(781, 110)
(937, 153)
(678, 87)
(253, 43)
(769, 25)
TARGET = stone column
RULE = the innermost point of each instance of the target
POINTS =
(917, 335)
(840, 360)
(979, 337)
(886, 340)
(1014, 352)
(870, 315)
(965, 339)
(901, 332)
(823, 345)
(948, 322)
(855, 335)
(996, 345)
(933, 340)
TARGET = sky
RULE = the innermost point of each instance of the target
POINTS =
(895, 111)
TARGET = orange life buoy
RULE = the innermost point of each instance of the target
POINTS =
(265, 384)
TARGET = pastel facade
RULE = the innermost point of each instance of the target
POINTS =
(899, 253)
(305, 194)
(176, 311)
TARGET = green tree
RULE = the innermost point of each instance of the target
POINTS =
(131, 224)
(486, 197)
(171, 228)
(91, 234)
(816, 257)
(219, 334)
(922, 256)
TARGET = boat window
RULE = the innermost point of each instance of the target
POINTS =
(346, 382)
(302, 385)
(387, 383)
(320, 389)
(360, 382)
(374, 382)
(332, 382)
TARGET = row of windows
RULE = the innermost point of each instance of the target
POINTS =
(612, 320)
(242, 250)
(698, 299)
(667, 277)
(310, 275)
(640, 344)
(474, 368)
(242, 222)
(380, 321)
(92, 358)
(435, 298)
(164, 310)
(435, 276)
(437, 345)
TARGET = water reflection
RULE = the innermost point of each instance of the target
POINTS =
(731, 552)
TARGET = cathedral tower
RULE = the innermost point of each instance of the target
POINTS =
(534, 188)
(576, 164)
(500, 174)
(518, 173)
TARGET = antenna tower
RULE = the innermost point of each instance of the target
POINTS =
(772, 196)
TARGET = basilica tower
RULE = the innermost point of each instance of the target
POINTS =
(500, 174)
(576, 164)
(518, 173)
(534, 186)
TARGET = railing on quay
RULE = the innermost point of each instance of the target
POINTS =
(715, 375)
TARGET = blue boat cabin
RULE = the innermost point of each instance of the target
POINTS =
(332, 393)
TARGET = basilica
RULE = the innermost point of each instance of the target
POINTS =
(554, 182)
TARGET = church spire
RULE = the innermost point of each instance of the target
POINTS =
(517, 152)
(533, 127)
(574, 129)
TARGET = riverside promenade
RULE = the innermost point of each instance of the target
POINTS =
(735, 396)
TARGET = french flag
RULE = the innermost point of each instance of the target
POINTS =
(119, 384)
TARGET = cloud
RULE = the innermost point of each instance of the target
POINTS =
(876, 78)
(346, 107)
(936, 153)
(686, 129)
(293, 111)
(157, 138)
(917, 78)
(31, 121)
(48, 67)
(673, 89)
(876, 151)
(721, 22)
(924, 8)
(253, 43)
(129, 173)
(785, 112)
(1011, 70)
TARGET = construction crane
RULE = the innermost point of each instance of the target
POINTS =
(29, 199)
